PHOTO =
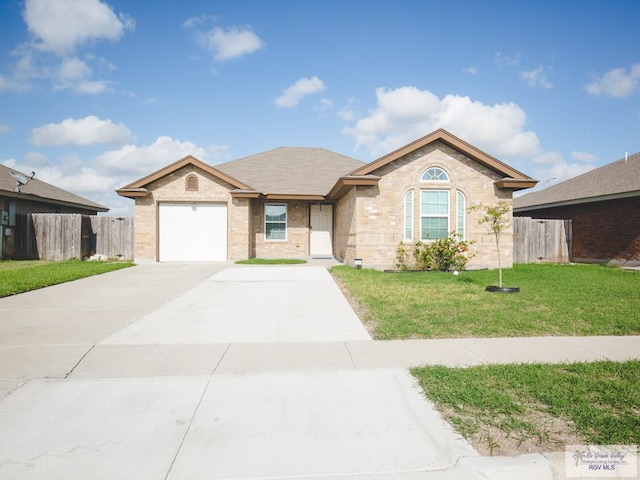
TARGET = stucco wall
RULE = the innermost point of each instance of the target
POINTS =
(172, 188)
(380, 210)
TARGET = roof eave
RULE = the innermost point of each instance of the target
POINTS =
(344, 184)
(133, 192)
(38, 198)
(294, 196)
(515, 183)
(578, 201)
(451, 140)
(245, 193)
(183, 162)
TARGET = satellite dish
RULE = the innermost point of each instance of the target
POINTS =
(21, 179)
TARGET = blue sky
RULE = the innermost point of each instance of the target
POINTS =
(95, 94)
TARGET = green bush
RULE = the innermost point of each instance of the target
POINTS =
(444, 254)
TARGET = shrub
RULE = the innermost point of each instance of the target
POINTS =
(444, 254)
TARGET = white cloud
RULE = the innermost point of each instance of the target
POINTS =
(90, 130)
(349, 112)
(503, 60)
(4, 128)
(194, 22)
(323, 107)
(135, 161)
(618, 83)
(57, 29)
(4, 84)
(60, 26)
(584, 156)
(36, 159)
(548, 158)
(74, 74)
(73, 68)
(559, 172)
(294, 93)
(537, 77)
(230, 43)
(407, 113)
(98, 178)
(471, 71)
(93, 87)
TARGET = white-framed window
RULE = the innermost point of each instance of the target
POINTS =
(434, 174)
(434, 214)
(461, 211)
(275, 221)
(408, 216)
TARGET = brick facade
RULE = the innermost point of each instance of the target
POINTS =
(602, 232)
(297, 243)
(375, 227)
(173, 188)
(368, 220)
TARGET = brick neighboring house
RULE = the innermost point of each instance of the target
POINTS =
(300, 202)
(604, 208)
(34, 197)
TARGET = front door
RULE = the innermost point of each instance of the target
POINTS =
(321, 222)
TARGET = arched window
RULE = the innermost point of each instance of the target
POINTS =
(461, 206)
(435, 174)
(191, 183)
(408, 216)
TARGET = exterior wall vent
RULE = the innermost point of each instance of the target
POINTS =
(191, 183)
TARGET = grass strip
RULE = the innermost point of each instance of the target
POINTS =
(554, 300)
(538, 407)
(23, 276)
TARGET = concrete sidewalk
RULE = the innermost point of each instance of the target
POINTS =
(172, 371)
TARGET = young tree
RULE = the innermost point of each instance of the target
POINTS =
(497, 220)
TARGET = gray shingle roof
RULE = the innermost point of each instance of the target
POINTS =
(40, 191)
(614, 179)
(291, 170)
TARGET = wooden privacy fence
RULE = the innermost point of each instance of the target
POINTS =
(541, 240)
(61, 236)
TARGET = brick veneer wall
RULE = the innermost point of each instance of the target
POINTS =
(602, 232)
(379, 210)
(297, 243)
(172, 188)
(345, 228)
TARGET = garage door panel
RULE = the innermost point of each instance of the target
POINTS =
(192, 232)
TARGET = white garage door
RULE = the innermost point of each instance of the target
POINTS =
(192, 232)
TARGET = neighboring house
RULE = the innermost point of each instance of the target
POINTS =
(35, 196)
(300, 202)
(604, 208)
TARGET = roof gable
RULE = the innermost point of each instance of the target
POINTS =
(37, 190)
(138, 188)
(615, 180)
(457, 144)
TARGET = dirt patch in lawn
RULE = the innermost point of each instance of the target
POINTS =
(536, 431)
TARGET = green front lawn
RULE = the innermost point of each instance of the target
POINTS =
(509, 409)
(22, 276)
(554, 300)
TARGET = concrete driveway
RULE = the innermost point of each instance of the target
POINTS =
(208, 371)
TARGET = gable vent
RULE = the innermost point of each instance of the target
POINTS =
(191, 183)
